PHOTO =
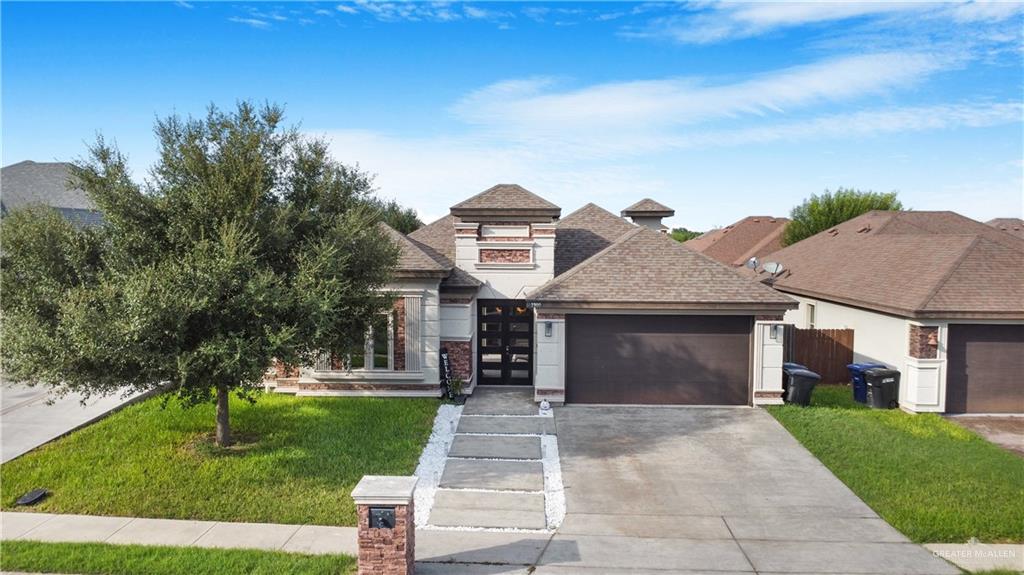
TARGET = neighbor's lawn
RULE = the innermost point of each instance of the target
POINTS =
(931, 479)
(297, 461)
(101, 558)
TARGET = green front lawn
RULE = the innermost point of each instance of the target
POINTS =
(296, 461)
(104, 559)
(931, 479)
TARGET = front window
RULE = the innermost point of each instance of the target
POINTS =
(810, 316)
(378, 348)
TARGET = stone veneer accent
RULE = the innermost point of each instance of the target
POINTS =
(924, 342)
(387, 551)
(504, 256)
(460, 354)
(399, 344)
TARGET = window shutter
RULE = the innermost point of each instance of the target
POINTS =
(413, 333)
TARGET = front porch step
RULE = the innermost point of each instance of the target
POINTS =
(496, 475)
(536, 425)
(495, 400)
(495, 447)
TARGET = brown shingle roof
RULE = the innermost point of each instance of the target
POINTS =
(412, 259)
(644, 268)
(585, 232)
(437, 239)
(648, 207)
(506, 198)
(1013, 226)
(753, 236)
(915, 264)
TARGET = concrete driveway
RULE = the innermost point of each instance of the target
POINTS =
(690, 490)
(32, 416)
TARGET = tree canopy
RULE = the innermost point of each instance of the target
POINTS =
(683, 234)
(821, 212)
(246, 243)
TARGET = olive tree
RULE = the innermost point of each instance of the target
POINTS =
(246, 243)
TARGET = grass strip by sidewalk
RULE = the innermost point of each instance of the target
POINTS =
(933, 480)
(107, 559)
(296, 461)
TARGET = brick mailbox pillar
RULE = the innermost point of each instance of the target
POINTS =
(387, 540)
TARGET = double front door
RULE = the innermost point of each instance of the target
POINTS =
(505, 343)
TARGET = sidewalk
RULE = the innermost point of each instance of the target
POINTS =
(312, 539)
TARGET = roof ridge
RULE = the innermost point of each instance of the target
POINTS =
(764, 241)
(581, 208)
(576, 269)
(415, 245)
(952, 269)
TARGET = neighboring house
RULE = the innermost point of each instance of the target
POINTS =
(751, 237)
(648, 213)
(936, 295)
(587, 309)
(45, 183)
(1013, 226)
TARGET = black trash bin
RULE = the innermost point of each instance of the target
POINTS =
(860, 386)
(788, 366)
(799, 386)
(883, 388)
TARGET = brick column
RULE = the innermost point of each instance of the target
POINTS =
(388, 549)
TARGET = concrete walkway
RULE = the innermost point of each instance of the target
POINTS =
(32, 416)
(494, 477)
(312, 539)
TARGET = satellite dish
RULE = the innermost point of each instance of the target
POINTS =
(773, 268)
(752, 263)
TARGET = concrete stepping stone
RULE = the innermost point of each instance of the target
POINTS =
(501, 401)
(499, 475)
(495, 447)
(502, 424)
(489, 500)
(487, 518)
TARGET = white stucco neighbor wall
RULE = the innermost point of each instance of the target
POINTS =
(768, 355)
(877, 337)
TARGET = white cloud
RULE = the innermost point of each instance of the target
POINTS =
(536, 106)
(728, 21)
(346, 8)
(251, 22)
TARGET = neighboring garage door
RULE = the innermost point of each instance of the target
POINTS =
(653, 359)
(986, 369)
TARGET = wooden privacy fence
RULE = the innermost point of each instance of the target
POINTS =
(824, 351)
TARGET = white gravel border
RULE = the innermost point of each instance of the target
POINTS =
(554, 489)
(432, 460)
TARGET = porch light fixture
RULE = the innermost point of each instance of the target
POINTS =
(547, 329)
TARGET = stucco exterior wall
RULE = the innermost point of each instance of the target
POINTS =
(877, 337)
(506, 279)
(549, 359)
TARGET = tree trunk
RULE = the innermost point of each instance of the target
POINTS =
(223, 424)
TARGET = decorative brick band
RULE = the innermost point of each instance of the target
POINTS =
(362, 386)
(504, 256)
(924, 342)
(460, 354)
(456, 300)
(770, 317)
(542, 391)
(399, 345)
(507, 239)
(543, 231)
(542, 315)
(767, 394)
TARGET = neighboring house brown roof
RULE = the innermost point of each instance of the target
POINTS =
(413, 261)
(437, 239)
(648, 207)
(510, 199)
(585, 232)
(913, 264)
(647, 269)
(753, 236)
(1013, 226)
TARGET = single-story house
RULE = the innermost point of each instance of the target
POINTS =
(751, 237)
(936, 295)
(49, 184)
(1014, 226)
(590, 308)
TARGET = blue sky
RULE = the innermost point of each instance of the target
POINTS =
(718, 110)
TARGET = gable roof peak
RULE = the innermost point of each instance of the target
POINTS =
(506, 200)
(648, 207)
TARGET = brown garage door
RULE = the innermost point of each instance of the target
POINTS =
(649, 359)
(986, 369)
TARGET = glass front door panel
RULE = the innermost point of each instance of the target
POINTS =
(505, 343)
